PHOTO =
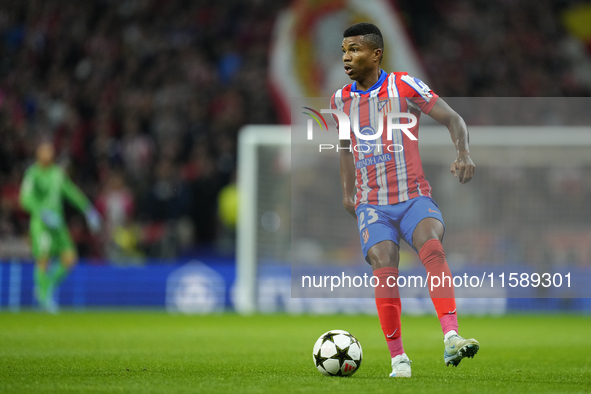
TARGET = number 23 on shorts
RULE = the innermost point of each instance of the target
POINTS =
(372, 217)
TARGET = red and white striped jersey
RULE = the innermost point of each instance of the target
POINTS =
(387, 171)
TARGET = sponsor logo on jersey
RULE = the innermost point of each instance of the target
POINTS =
(423, 86)
(431, 210)
(373, 160)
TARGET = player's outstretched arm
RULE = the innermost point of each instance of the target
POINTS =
(463, 167)
(347, 168)
(75, 196)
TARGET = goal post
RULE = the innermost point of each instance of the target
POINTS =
(250, 139)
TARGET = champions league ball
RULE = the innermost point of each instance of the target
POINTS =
(337, 353)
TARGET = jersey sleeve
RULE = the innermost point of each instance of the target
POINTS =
(74, 195)
(27, 195)
(418, 94)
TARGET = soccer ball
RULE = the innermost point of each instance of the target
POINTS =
(337, 353)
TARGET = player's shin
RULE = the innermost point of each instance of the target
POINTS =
(389, 307)
(441, 289)
(41, 282)
(59, 272)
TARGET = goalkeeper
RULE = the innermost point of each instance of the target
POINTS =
(43, 188)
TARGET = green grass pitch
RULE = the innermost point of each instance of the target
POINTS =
(152, 352)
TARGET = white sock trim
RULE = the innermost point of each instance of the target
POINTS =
(449, 334)
(403, 355)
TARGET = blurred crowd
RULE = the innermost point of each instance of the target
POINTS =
(143, 100)
(505, 48)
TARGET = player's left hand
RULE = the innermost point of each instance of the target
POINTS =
(93, 219)
(463, 168)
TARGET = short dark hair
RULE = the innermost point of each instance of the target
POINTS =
(370, 33)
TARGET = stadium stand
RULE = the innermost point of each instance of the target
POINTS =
(144, 99)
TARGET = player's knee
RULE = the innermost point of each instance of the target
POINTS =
(69, 260)
(419, 244)
(427, 230)
(432, 251)
(70, 263)
(383, 256)
(383, 263)
(43, 262)
(422, 238)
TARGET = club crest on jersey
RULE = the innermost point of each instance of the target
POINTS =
(384, 106)
(365, 235)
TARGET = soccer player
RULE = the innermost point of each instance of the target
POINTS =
(43, 188)
(384, 186)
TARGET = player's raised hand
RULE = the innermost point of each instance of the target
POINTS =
(463, 168)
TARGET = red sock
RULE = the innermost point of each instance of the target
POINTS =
(433, 258)
(388, 303)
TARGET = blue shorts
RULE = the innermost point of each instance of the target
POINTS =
(379, 223)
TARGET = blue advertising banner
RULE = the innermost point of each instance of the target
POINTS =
(207, 286)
